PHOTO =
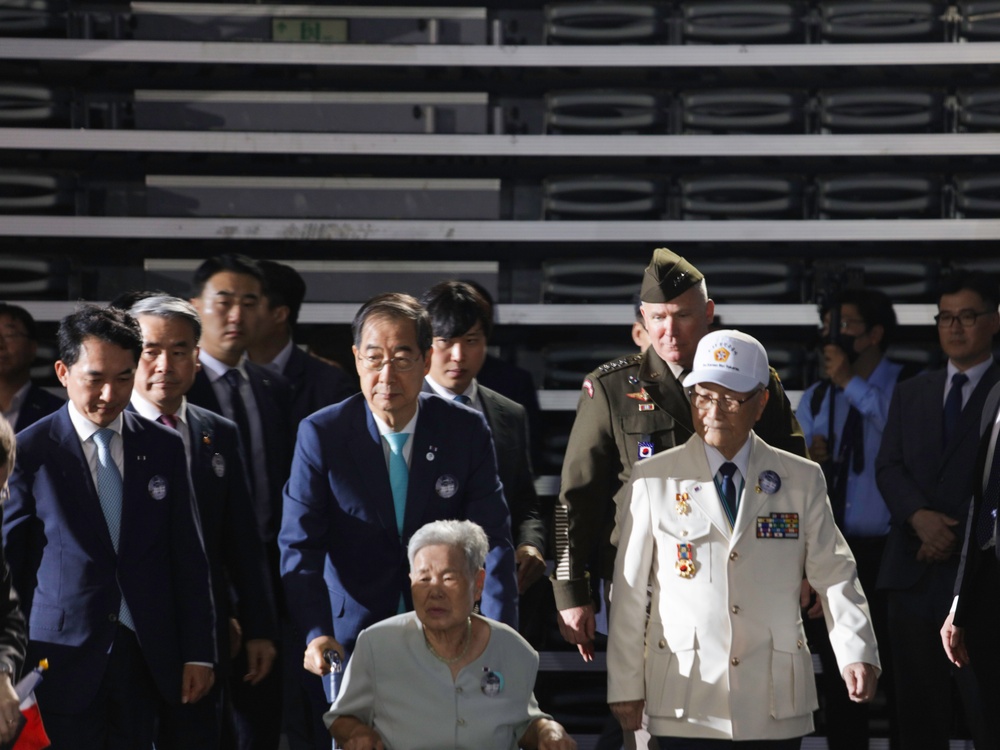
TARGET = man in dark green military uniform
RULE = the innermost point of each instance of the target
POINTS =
(629, 409)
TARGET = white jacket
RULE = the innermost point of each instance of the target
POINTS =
(723, 654)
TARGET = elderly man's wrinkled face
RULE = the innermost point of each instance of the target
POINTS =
(444, 592)
(676, 327)
(391, 368)
(723, 418)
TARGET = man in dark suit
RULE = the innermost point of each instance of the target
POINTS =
(103, 541)
(461, 322)
(969, 633)
(226, 291)
(925, 473)
(371, 470)
(315, 383)
(21, 401)
(170, 332)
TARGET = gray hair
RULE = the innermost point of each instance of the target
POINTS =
(8, 445)
(165, 306)
(465, 535)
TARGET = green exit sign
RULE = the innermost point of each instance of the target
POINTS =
(313, 30)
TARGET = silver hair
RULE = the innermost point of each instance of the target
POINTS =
(165, 306)
(465, 535)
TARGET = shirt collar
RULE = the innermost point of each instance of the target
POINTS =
(148, 410)
(410, 427)
(472, 392)
(741, 459)
(215, 369)
(280, 361)
(975, 373)
(85, 428)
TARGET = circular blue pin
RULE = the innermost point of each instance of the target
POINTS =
(769, 481)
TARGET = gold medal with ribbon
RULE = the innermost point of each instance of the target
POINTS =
(682, 506)
(685, 560)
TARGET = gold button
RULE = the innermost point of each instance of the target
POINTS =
(684, 533)
(735, 661)
(798, 643)
(736, 609)
(733, 555)
(461, 722)
(662, 643)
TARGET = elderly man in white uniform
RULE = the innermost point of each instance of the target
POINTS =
(723, 529)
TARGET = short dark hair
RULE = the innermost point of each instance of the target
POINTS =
(455, 307)
(983, 284)
(23, 316)
(104, 323)
(874, 307)
(394, 305)
(234, 262)
(283, 286)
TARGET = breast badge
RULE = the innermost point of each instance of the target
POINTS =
(685, 560)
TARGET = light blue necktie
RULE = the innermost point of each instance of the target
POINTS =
(463, 399)
(109, 491)
(399, 474)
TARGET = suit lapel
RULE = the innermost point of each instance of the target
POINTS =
(751, 501)
(972, 412)
(73, 467)
(422, 471)
(366, 450)
(664, 389)
(702, 490)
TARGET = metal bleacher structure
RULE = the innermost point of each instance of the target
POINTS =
(542, 149)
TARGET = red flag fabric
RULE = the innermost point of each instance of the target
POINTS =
(32, 735)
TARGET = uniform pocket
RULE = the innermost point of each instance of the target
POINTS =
(793, 683)
(669, 662)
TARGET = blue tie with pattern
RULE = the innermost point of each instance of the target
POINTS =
(399, 474)
(109, 492)
(463, 399)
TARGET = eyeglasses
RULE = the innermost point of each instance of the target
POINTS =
(400, 364)
(967, 318)
(727, 404)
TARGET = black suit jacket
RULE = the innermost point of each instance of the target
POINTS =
(273, 396)
(237, 562)
(38, 403)
(509, 425)
(915, 469)
(966, 583)
(315, 384)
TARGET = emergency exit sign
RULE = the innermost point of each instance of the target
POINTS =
(314, 30)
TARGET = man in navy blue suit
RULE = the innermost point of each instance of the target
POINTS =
(23, 403)
(315, 382)
(345, 530)
(170, 332)
(105, 549)
(226, 291)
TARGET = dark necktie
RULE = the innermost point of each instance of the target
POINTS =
(239, 407)
(730, 500)
(850, 457)
(987, 512)
(953, 405)
(463, 399)
(169, 420)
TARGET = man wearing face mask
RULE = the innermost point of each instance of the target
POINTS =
(859, 380)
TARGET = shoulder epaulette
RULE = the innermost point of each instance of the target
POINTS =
(617, 364)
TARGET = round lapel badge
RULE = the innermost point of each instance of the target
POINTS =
(769, 481)
(157, 487)
(446, 486)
